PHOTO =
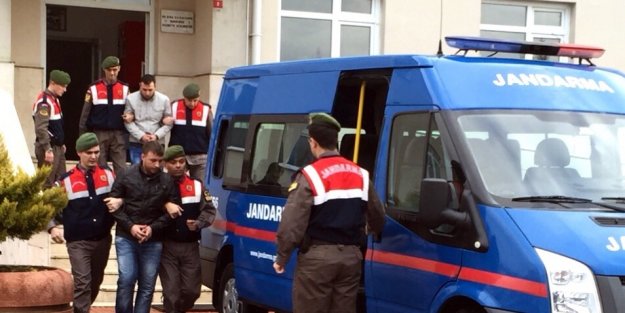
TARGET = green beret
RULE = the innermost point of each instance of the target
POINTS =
(324, 119)
(86, 141)
(173, 152)
(191, 91)
(60, 77)
(110, 61)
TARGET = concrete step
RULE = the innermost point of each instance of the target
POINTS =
(59, 258)
(64, 263)
(60, 250)
(110, 278)
(108, 293)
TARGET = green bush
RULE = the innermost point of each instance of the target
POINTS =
(25, 207)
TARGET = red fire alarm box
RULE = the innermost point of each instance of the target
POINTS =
(218, 4)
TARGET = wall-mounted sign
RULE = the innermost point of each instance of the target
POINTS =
(177, 22)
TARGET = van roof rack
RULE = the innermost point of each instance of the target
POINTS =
(466, 43)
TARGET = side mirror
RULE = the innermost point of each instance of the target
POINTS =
(434, 205)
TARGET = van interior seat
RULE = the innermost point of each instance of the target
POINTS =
(551, 174)
(367, 150)
(410, 173)
(499, 162)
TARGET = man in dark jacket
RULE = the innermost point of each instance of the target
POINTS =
(102, 114)
(86, 220)
(180, 262)
(48, 119)
(330, 203)
(145, 190)
(191, 129)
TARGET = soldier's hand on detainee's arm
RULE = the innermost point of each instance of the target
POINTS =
(173, 209)
(49, 157)
(168, 120)
(278, 268)
(113, 204)
(192, 225)
(128, 117)
(56, 233)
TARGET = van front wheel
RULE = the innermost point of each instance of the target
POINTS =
(229, 297)
(472, 309)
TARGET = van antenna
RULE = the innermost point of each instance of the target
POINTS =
(439, 53)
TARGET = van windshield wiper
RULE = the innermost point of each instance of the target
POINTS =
(617, 199)
(618, 206)
(552, 199)
(563, 199)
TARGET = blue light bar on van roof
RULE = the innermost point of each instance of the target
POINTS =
(540, 48)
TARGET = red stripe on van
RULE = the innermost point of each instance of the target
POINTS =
(255, 233)
(469, 274)
(441, 268)
(220, 224)
(530, 287)
(508, 282)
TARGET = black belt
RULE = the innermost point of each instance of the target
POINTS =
(317, 242)
(322, 243)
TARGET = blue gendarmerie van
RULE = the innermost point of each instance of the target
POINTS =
(503, 179)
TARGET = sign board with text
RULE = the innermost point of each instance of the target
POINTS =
(177, 22)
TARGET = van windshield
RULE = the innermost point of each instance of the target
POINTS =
(547, 153)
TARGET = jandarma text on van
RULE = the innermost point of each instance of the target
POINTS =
(545, 80)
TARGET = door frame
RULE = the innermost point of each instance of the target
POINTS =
(146, 6)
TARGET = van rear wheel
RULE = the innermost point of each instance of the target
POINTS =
(228, 301)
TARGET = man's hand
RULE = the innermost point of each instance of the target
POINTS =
(168, 120)
(146, 137)
(278, 268)
(147, 232)
(56, 233)
(113, 204)
(173, 209)
(128, 117)
(137, 231)
(49, 156)
(192, 225)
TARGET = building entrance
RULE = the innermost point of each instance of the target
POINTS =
(77, 39)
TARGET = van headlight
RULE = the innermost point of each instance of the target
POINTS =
(572, 286)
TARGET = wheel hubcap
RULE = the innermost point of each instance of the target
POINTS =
(230, 298)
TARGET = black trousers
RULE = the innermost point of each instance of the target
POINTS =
(88, 260)
(58, 164)
(326, 279)
(180, 275)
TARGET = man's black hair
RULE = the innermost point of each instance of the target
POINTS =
(152, 146)
(148, 79)
(325, 136)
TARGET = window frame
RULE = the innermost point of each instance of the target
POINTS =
(220, 155)
(254, 126)
(531, 30)
(338, 18)
(444, 234)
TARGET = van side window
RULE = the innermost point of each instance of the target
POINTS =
(280, 150)
(230, 151)
(416, 152)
